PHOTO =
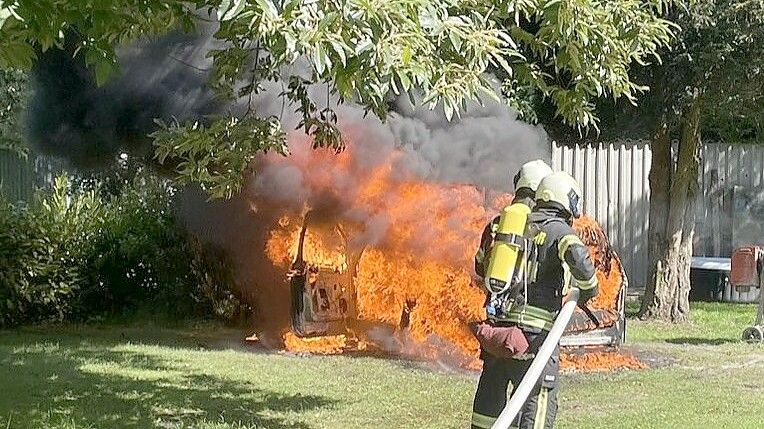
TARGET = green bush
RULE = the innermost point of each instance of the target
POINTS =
(79, 253)
(43, 250)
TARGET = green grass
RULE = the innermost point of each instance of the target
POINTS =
(206, 377)
(711, 323)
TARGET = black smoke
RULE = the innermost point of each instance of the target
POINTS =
(70, 117)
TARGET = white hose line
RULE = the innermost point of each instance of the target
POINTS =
(528, 382)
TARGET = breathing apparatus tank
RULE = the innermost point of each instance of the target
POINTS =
(506, 262)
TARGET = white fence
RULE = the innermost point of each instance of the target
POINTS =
(614, 179)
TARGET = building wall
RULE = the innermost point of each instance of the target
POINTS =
(616, 191)
(16, 176)
(726, 168)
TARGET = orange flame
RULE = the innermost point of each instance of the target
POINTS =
(418, 239)
(283, 244)
(326, 345)
(599, 361)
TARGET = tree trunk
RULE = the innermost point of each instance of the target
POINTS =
(673, 186)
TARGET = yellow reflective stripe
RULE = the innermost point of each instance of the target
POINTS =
(541, 407)
(483, 421)
(530, 316)
(566, 242)
(529, 321)
(533, 311)
(587, 284)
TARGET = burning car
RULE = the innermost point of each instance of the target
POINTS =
(325, 296)
(322, 290)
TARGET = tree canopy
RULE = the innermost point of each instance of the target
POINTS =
(708, 85)
(717, 53)
(366, 51)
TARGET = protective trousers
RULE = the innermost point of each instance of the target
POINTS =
(498, 374)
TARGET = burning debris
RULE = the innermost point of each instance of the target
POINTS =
(326, 345)
(610, 274)
(599, 361)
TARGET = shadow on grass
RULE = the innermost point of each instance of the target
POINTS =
(701, 341)
(94, 383)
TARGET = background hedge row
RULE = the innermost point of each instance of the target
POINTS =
(100, 247)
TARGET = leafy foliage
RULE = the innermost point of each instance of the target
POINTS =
(31, 25)
(365, 52)
(216, 155)
(716, 59)
(721, 57)
(13, 90)
(76, 253)
(44, 248)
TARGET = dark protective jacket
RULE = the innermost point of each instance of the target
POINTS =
(562, 257)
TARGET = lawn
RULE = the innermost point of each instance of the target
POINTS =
(206, 377)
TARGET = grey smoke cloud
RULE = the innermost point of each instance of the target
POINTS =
(485, 147)
(166, 78)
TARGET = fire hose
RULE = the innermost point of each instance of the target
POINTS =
(528, 382)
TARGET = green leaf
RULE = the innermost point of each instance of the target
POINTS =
(5, 12)
(363, 45)
(229, 9)
(16, 54)
(321, 60)
(406, 55)
(456, 41)
(339, 49)
(405, 81)
(268, 8)
(103, 70)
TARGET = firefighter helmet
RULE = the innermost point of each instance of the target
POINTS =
(531, 173)
(560, 188)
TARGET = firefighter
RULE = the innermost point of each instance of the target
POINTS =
(526, 181)
(560, 256)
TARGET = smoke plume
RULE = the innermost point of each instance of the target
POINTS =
(71, 117)
(444, 167)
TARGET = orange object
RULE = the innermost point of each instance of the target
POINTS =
(746, 267)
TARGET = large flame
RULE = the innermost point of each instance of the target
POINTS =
(416, 240)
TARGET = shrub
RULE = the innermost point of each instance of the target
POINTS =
(78, 252)
(43, 249)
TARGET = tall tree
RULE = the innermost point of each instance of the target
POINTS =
(366, 51)
(710, 82)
